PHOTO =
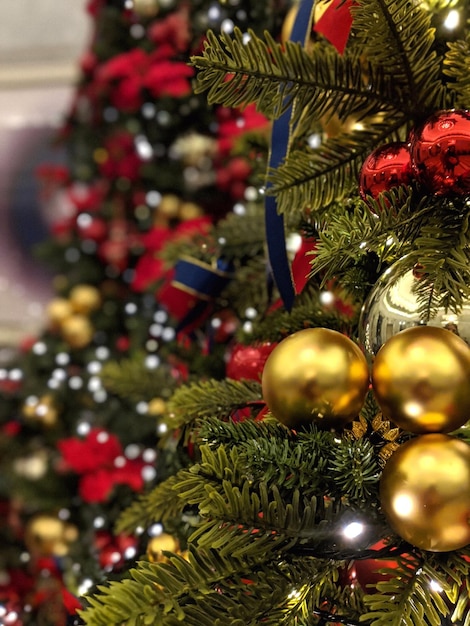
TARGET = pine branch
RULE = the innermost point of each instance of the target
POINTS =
(355, 470)
(162, 504)
(413, 594)
(204, 590)
(249, 287)
(308, 312)
(210, 398)
(133, 380)
(314, 178)
(236, 70)
(241, 236)
(457, 68)
(400, 39)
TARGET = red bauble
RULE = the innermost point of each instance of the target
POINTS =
(247, 362)
(440, 153)
(365, 572)
(93, 228)
(386, 167)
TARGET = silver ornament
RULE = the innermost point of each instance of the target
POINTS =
(393, 306)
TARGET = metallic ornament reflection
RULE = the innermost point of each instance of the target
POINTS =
(392, 306)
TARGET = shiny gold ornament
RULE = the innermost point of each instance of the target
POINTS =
(160, 543)
(58, 310)
(169, 206)
(189, 211)
(85, 299)
(146, 8)
(157, 406)
(315, 375)
(420, 379)
(41, 410)
(77, 331)
(47, 535)
(425, 492)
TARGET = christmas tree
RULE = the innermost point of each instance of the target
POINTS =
(156, 181)
(318, 498)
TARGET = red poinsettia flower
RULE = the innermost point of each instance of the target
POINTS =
(122, 159)
(169, 78)
(99, 460)
(234, 122)
(173, 31)
(150, 267)
(113, 549)
(98, 449)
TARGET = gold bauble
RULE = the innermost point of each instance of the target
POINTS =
(156, 406)
(58, 310)
(47, 535)
(77, 331)
(425, 492)
(189, 211)
(85, 299)
(315, 375)
(160, 543)
(146, 8)
(420, 378)
(169, 205)
(41, 410)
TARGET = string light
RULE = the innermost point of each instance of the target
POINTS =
(452, 20)
(353, 530)
(327, 297)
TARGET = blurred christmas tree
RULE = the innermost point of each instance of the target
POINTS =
(157, 215)
(320, 499)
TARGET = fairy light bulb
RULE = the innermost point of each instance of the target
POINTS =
(353, 530)
(452, 21)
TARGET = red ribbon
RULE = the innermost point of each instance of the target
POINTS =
(335, 23)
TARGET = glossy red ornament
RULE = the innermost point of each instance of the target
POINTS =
(440, 152)
(386, 167)
(247, 362)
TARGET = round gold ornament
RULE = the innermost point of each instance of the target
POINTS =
(425, 492)
(160, 543)
(157, 406)
(47, 535)
(315, 375)
(393, 306)
(41, 410)
(420, 379)
(58, 310)
(146, 8)
(77, 331)
(85, 299)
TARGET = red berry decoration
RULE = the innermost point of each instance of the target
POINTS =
(440, 153)
(386, 167)
(247, 362)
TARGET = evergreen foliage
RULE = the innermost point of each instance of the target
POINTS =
(271, 506)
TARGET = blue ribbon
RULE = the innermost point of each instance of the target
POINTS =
(203, 281)
(274, 221)
(200, 279)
